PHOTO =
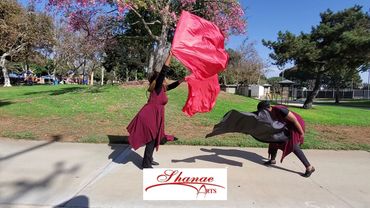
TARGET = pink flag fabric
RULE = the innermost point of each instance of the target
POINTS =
(202, 94)
(199, 45)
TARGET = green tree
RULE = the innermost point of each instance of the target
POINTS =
(179, 70)
(338, 78)
(335, 79)
(163, 15)
(21, 30)
(340, 42)
(130, 53)
(127, 56)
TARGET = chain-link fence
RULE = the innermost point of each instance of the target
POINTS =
(298, 93)
(347, 94)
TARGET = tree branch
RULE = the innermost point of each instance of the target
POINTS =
(114, 10)
(16, 49)
(135, 23)
(145, 24)
(134, 37)
(152, 23)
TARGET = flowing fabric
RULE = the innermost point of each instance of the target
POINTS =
(148, 124)
(199, 45)
(273, 132)
(202, 94)
(260, 125)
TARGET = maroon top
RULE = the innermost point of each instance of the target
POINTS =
(148, 124)
(295, 137)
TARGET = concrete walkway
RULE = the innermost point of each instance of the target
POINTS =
(52, 174)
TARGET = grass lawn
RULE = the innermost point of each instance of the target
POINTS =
(360, 103)
(98, 114)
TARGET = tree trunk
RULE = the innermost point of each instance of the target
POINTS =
(151, 62)
(92, 78)
(55, 72)
(135, 72)
(24, 67)
(161, 47)
(83, 72)
(102, 76)
(127, 75)
(114, 76)
(337, 95)
(27, 66)
(161, 53)
(5, 70)
(308, 103)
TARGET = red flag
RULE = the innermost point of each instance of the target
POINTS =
(202, 94)
(199, 45)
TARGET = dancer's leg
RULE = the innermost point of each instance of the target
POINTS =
(301, 156)
(148, 154)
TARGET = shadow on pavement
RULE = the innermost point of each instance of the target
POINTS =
(119, 145)
(217, 153)
(281, 168)
(55, 139)
(118, 139)
(23, 187)
(216, 157)
(81, 201)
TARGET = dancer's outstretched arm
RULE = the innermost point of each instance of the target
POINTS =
(162, 74)
(173, 85)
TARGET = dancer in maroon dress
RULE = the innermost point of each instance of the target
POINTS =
(147, 127)
(295, 126)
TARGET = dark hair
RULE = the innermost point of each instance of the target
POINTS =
(152, 76)
(152, 80)
(263, 105)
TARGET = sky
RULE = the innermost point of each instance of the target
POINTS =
(266, 17)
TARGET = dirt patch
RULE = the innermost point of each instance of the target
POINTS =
(67, 129)
(138, 82)
(117, 107)
(135, 84)
(231, 97)
(352, 134)
(81, 126)
(187, 130)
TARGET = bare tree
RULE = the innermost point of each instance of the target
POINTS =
(245, 65)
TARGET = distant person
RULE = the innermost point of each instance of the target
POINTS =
(147, 127)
